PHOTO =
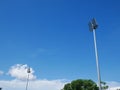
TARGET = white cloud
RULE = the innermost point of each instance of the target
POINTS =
(19, 71)
(33, 85)
(115, 88)
(43, 85)
(1, 72)
(113, 85)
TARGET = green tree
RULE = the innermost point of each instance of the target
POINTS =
(104, 86)
(81, 84)
(67, 87)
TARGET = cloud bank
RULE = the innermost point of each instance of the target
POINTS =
(19, 72)
(114, 85)
(33, 85)
(43, 85)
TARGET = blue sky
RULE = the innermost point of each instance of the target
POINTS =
(53, 38)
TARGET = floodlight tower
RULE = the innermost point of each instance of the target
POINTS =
(93, 26)
(28, 71)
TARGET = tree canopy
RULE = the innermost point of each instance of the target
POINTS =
(81, 84)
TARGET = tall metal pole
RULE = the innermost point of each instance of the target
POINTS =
(27, 82)
(97, 62)
(93, 26)
(28, 71)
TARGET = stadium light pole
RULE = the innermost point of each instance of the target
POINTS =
(93, 26)
(28, 71)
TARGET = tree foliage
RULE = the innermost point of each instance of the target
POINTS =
(81, 84)
(104, 86)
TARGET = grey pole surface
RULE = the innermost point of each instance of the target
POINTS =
(97, 62)
(27, 82)
(92, 27)
(28, 71)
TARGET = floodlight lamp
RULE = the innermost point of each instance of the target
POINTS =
(90, 26)
(28, 70)
(95, 25)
